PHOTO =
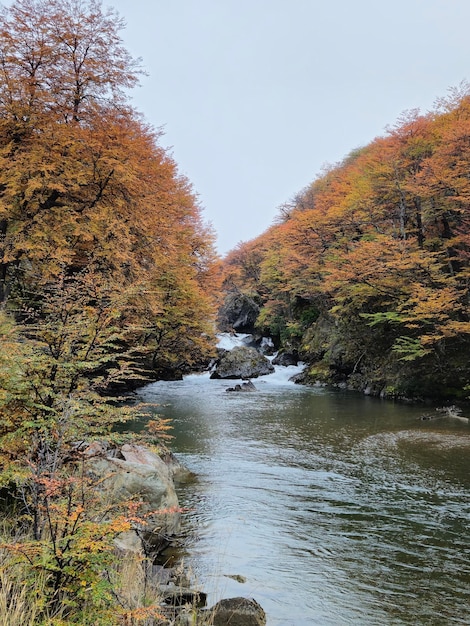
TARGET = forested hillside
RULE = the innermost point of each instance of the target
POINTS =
(366, 271)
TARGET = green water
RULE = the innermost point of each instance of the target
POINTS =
(336, 508)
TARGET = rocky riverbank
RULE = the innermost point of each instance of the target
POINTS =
(135, 473)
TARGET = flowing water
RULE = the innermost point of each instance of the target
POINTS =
(335, 508)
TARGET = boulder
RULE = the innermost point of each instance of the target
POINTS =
(175, 595)
(262, 344)
(248, 386)
(236, 612)
(242, 362)
(179, 473)
(135, 473)
(239, 312)
(266, 346)
(286, 358)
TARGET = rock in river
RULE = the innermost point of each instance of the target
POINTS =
(242, 362)
(248, 386)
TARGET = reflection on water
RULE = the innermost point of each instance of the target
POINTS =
(336, 508)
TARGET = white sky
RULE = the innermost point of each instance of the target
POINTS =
(256, 95)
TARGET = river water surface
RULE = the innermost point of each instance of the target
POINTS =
(335, 508)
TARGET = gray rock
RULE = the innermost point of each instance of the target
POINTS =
(239, 312)
(266, 346)
(248, 386)
(138, 474)
(177, 596)
(242, 362)
(237, 612)
(179, 473)
(286, 358)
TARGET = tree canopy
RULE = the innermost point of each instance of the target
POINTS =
(84, 185)
(107, 278)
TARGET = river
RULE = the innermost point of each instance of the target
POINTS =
(333, 507)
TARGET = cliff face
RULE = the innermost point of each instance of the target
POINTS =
(238, 313)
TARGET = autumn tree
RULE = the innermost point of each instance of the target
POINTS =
(107, 272)
(84, 183)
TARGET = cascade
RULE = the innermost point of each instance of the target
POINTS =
(228, 341)
(282, 375)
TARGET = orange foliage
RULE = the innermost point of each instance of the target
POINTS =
(84, 184)
(379, 243)
(106, 270)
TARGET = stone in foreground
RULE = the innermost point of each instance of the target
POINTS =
(135, 473)
(237, 612)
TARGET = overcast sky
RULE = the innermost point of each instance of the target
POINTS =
(255, 96)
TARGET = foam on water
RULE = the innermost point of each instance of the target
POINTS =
(281, 374)
(228, 341)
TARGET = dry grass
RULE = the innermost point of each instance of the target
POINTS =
(17, 608)
(23, 591)
(136, 597)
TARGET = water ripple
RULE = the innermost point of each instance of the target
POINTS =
(337, 509)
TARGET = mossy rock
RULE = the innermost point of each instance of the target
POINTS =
(242, 362)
